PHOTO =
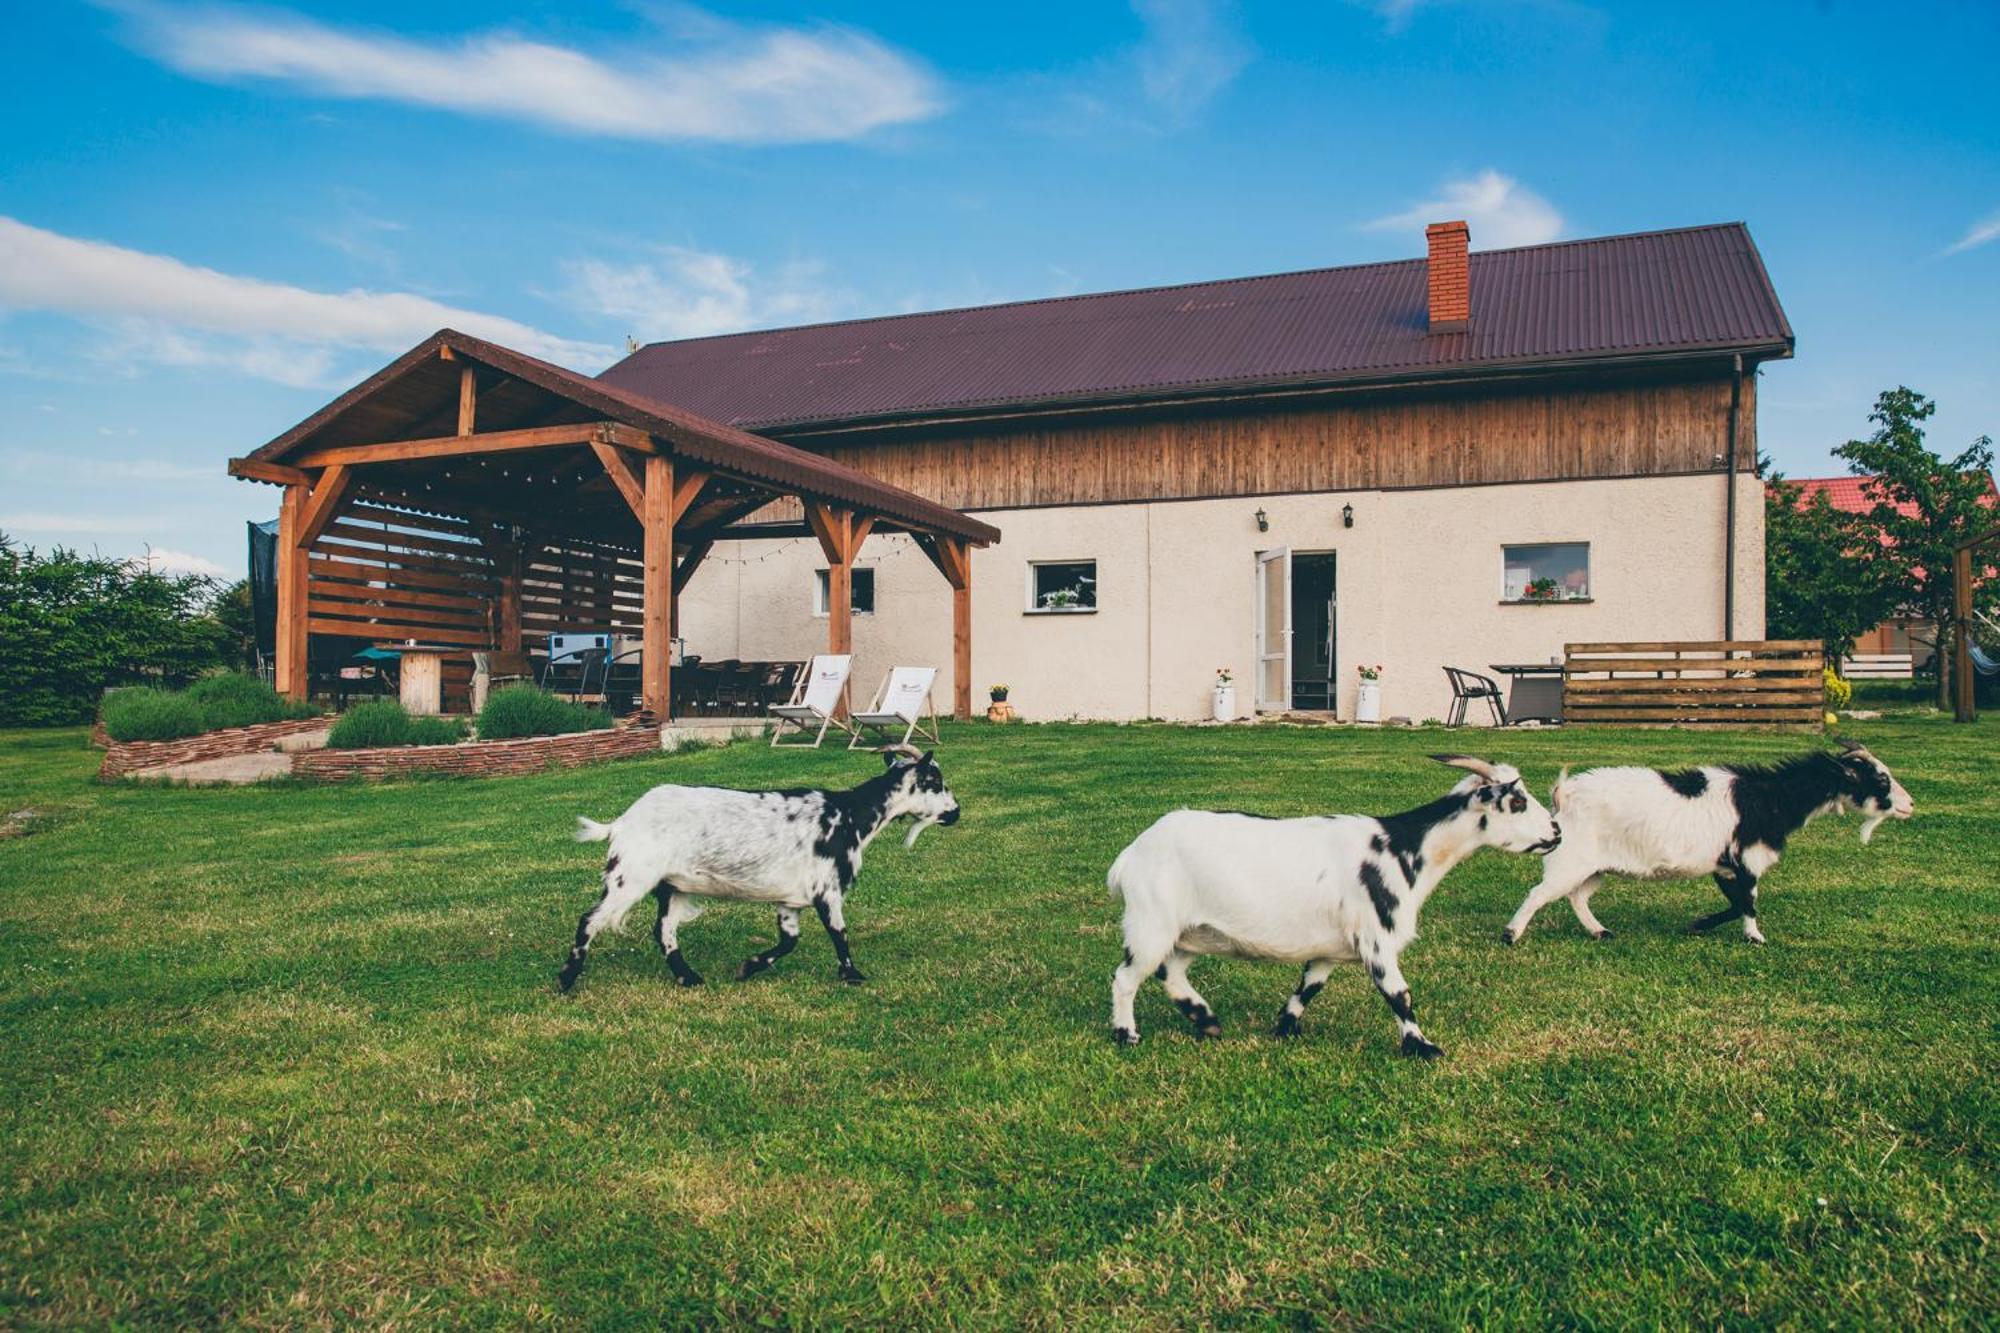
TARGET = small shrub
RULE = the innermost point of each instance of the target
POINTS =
(233, 699)
(143, 713)
(1838, 691)
(435, 731)
(525, 710)
(368, 725)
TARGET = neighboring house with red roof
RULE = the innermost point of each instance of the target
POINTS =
(1857, 495)
(1461, 459)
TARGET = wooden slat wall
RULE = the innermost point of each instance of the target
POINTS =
(576, 586)
(1433, 440)
(1715, 684)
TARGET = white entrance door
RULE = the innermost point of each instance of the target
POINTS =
(1274, 629)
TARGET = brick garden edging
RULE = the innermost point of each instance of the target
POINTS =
(122, 757)
(527, 754)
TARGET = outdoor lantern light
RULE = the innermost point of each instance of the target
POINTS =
(1347, 516)
(1263, 521)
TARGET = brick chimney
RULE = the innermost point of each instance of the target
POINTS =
(1451, 285)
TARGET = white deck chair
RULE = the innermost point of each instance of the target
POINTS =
(814, 699)
(902, 701)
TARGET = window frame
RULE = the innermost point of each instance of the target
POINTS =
(822, 591)
(1589, 578)
(1033, 607)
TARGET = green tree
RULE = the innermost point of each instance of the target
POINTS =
(1912, 552)
(232, 608)
(74, 624)
(1818, 584)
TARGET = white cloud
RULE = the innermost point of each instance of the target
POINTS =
(1191, 51)
(1395, 14)
(1982, 232)
(169, 561)
(687, 293)
(709, 80)
(39, 521)
(159, 309)
(60, 465)
(1501, 211)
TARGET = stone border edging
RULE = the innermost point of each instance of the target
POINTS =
(123, 757)
(525, 754)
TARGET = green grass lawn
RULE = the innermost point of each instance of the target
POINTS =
(294, 1056)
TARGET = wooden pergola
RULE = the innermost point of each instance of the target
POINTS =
(1965, 707)
(472, 497)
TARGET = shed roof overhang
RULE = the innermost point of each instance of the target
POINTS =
(522, 462)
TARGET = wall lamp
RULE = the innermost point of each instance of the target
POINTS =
(1347, 516)
(1263, 521)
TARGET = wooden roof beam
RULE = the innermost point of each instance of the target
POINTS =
(492, 442)
(277, 474)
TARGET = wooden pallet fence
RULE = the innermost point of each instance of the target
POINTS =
(1717, 684)
(1878, 666)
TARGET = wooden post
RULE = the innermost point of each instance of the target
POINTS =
(961, 633)
(507, 627)
(953, 558)
(468, 399)
(840, 533)
(1964, 708)
(292, 678)
(656, 637)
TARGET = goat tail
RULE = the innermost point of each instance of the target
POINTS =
(589, 830)
(1114, 878)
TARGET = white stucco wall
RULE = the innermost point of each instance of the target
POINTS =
(1418, 573)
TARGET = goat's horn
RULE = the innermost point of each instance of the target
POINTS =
(910, 750)
(1469, 763)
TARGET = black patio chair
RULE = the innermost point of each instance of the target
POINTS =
(1467, 686)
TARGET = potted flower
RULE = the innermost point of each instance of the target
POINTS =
(1539, 590)
(999, 710)
(1223, 699)
(1368, 695)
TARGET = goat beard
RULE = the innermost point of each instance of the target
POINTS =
(1868, 827)
(918, 827)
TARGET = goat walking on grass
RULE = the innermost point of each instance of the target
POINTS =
(1729, 820)
(1317, 891)
(687, 846)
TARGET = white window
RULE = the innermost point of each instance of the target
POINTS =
(1058, 586)
(861, 592)
(1545, 572)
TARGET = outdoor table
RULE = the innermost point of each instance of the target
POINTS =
(422, 680)
(1536, 694)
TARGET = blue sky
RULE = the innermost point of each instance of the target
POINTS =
(214, 217)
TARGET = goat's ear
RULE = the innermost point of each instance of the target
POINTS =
(889, 758)
(926, 758)
(1851, 746)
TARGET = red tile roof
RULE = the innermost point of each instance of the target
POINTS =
(1855, 495)
(1688, 291)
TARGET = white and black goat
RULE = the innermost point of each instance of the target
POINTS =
(792, 849)
(1726, 820)
(1318, 891)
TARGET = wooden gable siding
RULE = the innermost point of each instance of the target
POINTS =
(1383, 443)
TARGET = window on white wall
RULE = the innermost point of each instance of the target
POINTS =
(1545, 572)
(1059, 586)
(862, 592)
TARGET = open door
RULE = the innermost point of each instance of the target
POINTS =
(1274, 630)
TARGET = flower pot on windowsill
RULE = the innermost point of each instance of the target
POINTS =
(1368, 701)
(1222, 703)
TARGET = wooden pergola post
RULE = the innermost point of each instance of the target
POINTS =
(840, 533)
(292, 557)
(657, 595)
(953, 558)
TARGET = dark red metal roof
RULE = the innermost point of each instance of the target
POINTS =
(1645, 295)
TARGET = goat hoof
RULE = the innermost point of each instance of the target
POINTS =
(1510, 936)
(1604, 935)
(1287, 1027)
(1208, 1033)
(688, 982)
(1421, 1049)
(1125, 1036)
(751, 967)
(852, 976)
